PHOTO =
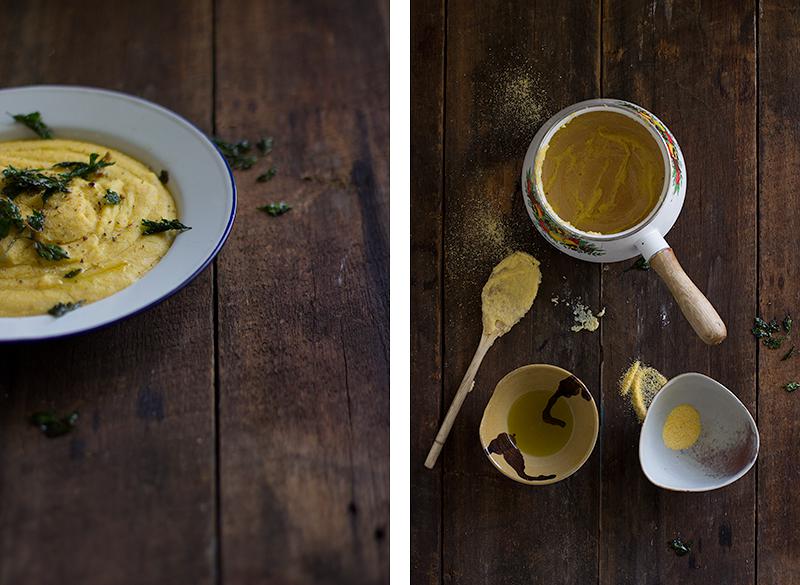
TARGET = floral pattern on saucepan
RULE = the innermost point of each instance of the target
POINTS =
(551, 228)
(669, 141)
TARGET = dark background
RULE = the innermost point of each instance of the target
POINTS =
(724, 78)
(236, 433)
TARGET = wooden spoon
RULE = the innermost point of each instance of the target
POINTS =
(507, 296)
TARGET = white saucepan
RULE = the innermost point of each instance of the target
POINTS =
(647, 237)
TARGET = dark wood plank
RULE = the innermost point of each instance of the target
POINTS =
(692, 65)
(509, 66)
(427, 111)
(129, 496)
(779, 178)
(303, 308)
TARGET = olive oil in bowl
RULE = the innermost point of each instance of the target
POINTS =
(530, 431)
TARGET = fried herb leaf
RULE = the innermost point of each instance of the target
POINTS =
(61, 309)
(19, 181)
(266, 176)
(264, 145)
(275, 209)
(766, 331)
(680, 546)
(50, 252)
(787, 323)
(9, 217)
(52, 425)
(35, 221)
(73, 273)
(163, 176)
(81, 169)
(150, 227)
(35, 123)
(791, 386)
(640, 264)
(111, 197)
(236, 153)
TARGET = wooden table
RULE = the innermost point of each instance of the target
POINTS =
(724, 76)
(236, 433)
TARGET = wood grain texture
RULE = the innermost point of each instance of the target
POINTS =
(509, 66)
(129, 496)
(692, 65)
(427, 135)
(303, 298)
(779, 180)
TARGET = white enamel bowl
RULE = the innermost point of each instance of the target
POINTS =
(199, 179)
(726, 449)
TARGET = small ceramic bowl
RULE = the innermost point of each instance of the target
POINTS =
(725, 450)
(499, 444)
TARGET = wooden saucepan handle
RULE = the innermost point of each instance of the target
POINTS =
(700, 313)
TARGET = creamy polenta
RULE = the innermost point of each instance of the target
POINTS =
(96, 224)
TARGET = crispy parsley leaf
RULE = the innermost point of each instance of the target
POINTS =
(73, 273)
(32, 181)
(275, 209)
(680, 546)
(61, 309)
(35, 123)
(52, 425)
(9, 217)
(50, 252)
(266, 176)
(264, 145)
(150, 227)
(163, 176)
(111, 197)
(767, 331)
(791, 386)
(35, 221)
(236, 153)
(35, 181)
(640, 264)
(83, 170)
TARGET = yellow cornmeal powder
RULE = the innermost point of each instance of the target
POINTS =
(509, 292)
(641, 383)
(682, 427)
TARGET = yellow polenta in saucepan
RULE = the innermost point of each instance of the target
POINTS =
(95, 220)
(602, 172)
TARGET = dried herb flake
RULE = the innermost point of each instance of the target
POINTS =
(61, 309)
(275, 209)
(680, 546)
(53, 426)
(268, 175)
(111, 197)
(50, 252)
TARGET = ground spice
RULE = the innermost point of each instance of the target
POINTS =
(682, 427)
(640, 383)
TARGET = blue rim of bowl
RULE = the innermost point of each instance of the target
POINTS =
(205, 262)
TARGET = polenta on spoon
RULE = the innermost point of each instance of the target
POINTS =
(507, 296)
